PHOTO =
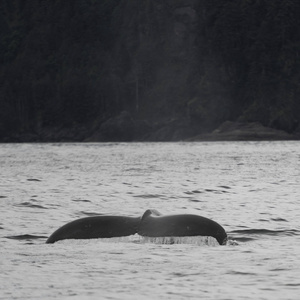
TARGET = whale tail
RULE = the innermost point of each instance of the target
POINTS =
(151, 224)
(154, 224)
(150, 212)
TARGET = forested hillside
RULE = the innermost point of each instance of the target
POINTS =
(70, 69)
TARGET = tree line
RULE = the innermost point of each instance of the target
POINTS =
(80, 62)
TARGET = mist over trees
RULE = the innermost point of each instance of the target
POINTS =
(79, 63)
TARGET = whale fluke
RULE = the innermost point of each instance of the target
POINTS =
(151, 224)
(96, 227)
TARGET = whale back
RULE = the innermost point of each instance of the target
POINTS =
(153, 224)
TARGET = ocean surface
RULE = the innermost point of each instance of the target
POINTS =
(251, 188)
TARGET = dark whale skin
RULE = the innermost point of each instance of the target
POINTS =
(153, 224)
(96, 227)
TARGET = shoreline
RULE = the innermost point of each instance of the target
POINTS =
(169, 132)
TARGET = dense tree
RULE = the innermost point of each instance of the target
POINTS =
(49, 52)
(79, 62)
(258, 43)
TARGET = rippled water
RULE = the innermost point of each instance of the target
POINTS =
(250, 188)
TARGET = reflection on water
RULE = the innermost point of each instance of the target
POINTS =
(250, 188)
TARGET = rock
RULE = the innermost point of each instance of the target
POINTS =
(119, 128)
(173, 130)
(141, 130)
(122, 128)
(240, 131)
(75, 133)
(297, 131)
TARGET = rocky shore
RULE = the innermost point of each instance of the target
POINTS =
(123, 128)
(237, 131)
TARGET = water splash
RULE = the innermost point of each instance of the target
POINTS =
(170, 240)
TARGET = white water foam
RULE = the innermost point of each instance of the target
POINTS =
(194, 240)
(167, 240)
